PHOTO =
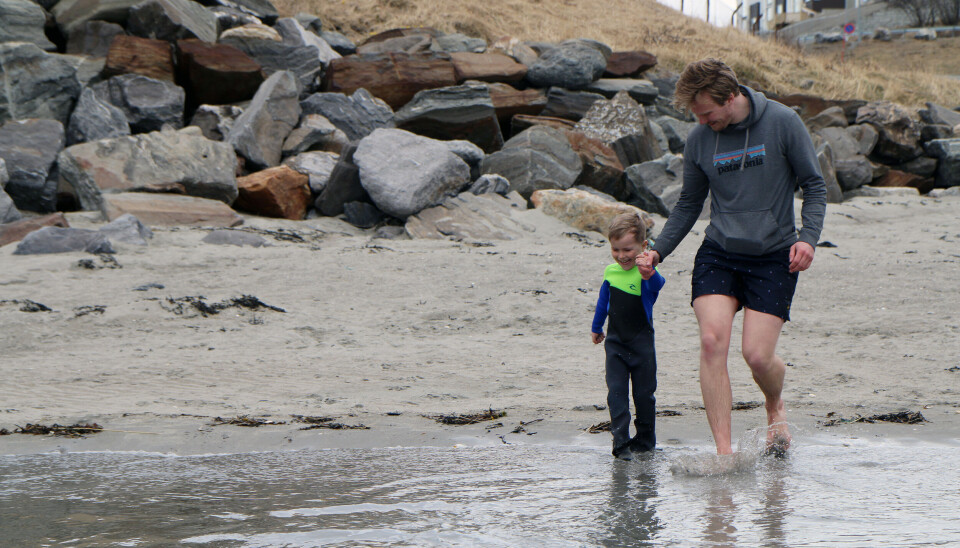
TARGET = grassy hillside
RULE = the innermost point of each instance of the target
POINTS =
(644, 24)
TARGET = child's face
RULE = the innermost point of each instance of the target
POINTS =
(625, 250)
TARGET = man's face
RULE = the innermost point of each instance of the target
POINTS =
(710, 113)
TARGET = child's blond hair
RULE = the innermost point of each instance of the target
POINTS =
(625, 223)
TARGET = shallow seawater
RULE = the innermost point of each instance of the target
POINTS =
(828, 492)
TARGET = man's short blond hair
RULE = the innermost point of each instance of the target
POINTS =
(711, 76)
(626, 223)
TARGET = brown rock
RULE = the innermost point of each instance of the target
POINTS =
(896, 177)
(15, 231)
(811, 105)
(216, 74)
(521, 122)
(393, 77)
(509, 102)
(602, 169)
(623, 64)
(169, 209)
(274, 192)
(582, 209)
(131, 54)
(400, 33)
(487, 67)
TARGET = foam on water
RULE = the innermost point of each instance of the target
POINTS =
(751, 446)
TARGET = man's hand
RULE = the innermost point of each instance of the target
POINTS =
(597, 337)
(647, 262)
(801, 255)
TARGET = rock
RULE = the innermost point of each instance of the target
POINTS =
(466, 151)
(215, 121)
(315, 132)
(393, 77)
(29, 148)
(647, 183)
(70, 14)
(853, 172)
(899, 139)
(93, 38)
(258, 133)
(487, 67)
(36, 84)
(876, 192)
(584, 210)
(317, 166)
(362, 214)
(572, 105)
(629, 64)
(230, 18)
(216, 74)
(925, 34)
(340, 43)
(866, 136)
(830, 117)
(676, 132)
(825, 158)
(573, 64)
(538, 158)
(490, 183)
(523, 122)
(932, 132)
(279, 192)
(16, 230)
(402, 40)
(170, 209)
(602, 169)
(240, 238)
(143, 56)
(203, 167)
(23, 21)
(404, 173)
(509, 101)
(261, 9)
(55, 239)
(642, 91)
(513, 47)
(936, 114)
(948, 152)
(252, 31)
(356, 115)
(294, 34)
(935, 193)
(924, 166)
(623, 125)
(127, 229)
(458, 43)
(148, 104)
(458, 112)
(95, 119)
(343, 186)
(8, 210)
(897, 178)
(172, 20)
(483, 217)
(882, 34)
(275, 56)
(809, 106)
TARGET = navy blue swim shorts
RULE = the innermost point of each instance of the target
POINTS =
(762, 283)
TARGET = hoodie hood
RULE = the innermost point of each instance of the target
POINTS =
(758, 105)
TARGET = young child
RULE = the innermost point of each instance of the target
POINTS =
(626, 298)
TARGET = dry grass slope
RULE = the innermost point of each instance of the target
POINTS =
(647, 25)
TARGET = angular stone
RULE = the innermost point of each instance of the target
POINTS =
(642, 91)
(509, 101)
(216, 74)
(538, 158)
(54, 239)
(811, 105)
(572, 105)
(93, 38)
(127, 229)
(513, 47)
(490, 183)
(314, 133)
(936, 114)
(356, 115)
(899, 132)
(676, 132)
(135, 55)
(94, 119)
(825, 159)
(853, 172)
(362, 214)
(602, 169)
(153, 160)
(29, 148)
(948, 152)
(882, 192)
(459, 112)
(258, 133)
(8, 210)
(412, 43)
(340, 43)
(523, 122)
(275, 56)
(279, 192)
(172, 20)
(215, 121)
(230, 18)
(170, 209)
(622, 124)
(404, 173)
(317, 166)
(831, 117)
(487, 67)
(15, 231)
(70, 14)
(263, 10)
(23, 21)
(147, 103)
(458, 43)
(866, 136)
(343, 185)
(294, 34)
(468, 216)
(573, 64)
(36, 84)
(629, 64)
(252, 31)
(584, 210)
(393, 77)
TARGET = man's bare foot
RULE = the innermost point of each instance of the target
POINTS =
(778, 432)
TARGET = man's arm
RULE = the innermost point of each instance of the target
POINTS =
(685, 213)
(803, 160)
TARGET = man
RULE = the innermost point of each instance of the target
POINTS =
(751, 154)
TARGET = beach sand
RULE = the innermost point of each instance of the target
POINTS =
(386, 333)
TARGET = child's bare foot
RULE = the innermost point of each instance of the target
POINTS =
(778, 432)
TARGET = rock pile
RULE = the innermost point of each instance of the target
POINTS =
(179, 112)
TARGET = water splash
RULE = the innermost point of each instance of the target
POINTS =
(751, 446)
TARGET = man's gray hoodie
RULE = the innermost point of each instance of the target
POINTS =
(751, 170)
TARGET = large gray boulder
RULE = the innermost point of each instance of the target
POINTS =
(573, 64)
(8, 210)
(948, 152)
(936, 114)
(55, 239)
(343, 185)
(162, 160)
(642, 91)
(649, 182)
(93, 38)
(275, 56)
(457, 112)
(70, 14)
(172, 20)
(30, 148)
(261, 9)
(623, 125)
(899, 139)
(294, 34)
(356, 115)
(127, 229)
(148, 104)
(538, 158)
(852, 168)
(404, 173)
(94, 119)
(314, 133)
(675, 131)
(23, 21)
(215, 121)
(567, 104)
(259, 132)
(36, 84)
(316, 165)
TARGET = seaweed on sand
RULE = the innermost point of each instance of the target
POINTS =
(468, 418)
(316, 422)
(244, 420)
(181, 305)
(903, 417)
(77, 430)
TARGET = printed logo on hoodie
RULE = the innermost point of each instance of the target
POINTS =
(726, 162)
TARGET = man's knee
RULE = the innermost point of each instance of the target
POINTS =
(714, 341)
(761, 359)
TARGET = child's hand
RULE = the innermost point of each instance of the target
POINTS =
(646, 269)
(597, 337)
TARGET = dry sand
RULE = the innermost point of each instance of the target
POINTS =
(384, 332)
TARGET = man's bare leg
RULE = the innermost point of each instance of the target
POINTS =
(715, 315)
(760, 334)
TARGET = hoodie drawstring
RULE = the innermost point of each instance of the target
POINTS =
(746, 142)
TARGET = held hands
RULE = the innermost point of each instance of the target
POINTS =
(597, 337)
(647, 262)
(801, 255)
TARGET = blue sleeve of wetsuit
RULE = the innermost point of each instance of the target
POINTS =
(650, 292)
(603, 305)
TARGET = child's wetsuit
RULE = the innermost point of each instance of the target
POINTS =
(627, 300)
